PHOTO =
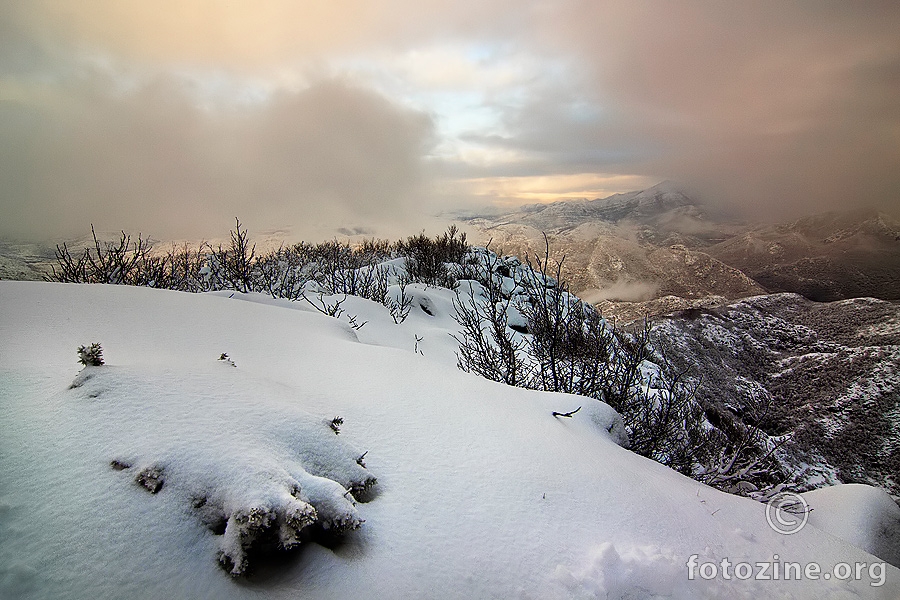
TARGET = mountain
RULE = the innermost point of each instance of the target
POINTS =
(629, 247)
(629, 251)
(828, 373)
(824, 257)
(665, 209)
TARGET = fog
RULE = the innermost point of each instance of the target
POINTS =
(153, 161)
(621, 290)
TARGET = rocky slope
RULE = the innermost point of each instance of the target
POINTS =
(823, 257)
(829, 374)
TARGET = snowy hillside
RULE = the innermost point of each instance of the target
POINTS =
(481, 492)
(830, 371)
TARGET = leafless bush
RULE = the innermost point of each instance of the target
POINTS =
(568, 347)
(745, 462)
(328, 308)
(109, 262)
(180, 268)
(569, 339)
(282, 274)
(487, 346)
(236, 262)
(399, 307)
(427, 258)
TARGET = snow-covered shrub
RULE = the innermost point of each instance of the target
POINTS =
(569, 340)
(362, 270)
(124, 262)
(90, 356)
(282, 273)
(487, 344)
(270, 484)
(398, 302)
(237, 260)
(151, 479)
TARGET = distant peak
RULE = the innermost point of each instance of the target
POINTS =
(667, 188)
(667, 185)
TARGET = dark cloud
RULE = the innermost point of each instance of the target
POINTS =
(775, 107)
(150, 158)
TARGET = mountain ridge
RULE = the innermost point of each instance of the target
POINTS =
(655, 238)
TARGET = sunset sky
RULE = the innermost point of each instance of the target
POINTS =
(174, 116)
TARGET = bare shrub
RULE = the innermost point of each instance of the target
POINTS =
(108, 262)
(568, 347)
(427, 258)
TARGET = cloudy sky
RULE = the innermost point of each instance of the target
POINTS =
(173, 116)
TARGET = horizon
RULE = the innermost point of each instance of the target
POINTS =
(271, 236)
(172, 118)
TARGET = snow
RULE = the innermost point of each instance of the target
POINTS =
(481, 492)
(889, 327)
(863, 515)
(222, 453)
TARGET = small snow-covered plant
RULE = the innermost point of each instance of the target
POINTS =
(90, 356)
(335, 424)
(226, 359)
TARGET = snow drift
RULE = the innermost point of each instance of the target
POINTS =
(481, 493)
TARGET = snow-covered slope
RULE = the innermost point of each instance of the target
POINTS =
(830, 370)
(863, 515)
(481, 492)
(25, 261)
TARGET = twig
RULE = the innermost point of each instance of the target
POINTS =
(568, 414)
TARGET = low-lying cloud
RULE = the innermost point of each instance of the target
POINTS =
(621, 290)
(152, 158)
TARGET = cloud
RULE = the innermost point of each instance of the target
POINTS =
(512, 191)
(173, 116)
(777, 108)
(153, 158)
(256, 36)
(621, 290)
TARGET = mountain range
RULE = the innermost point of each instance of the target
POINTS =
(630, 253)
